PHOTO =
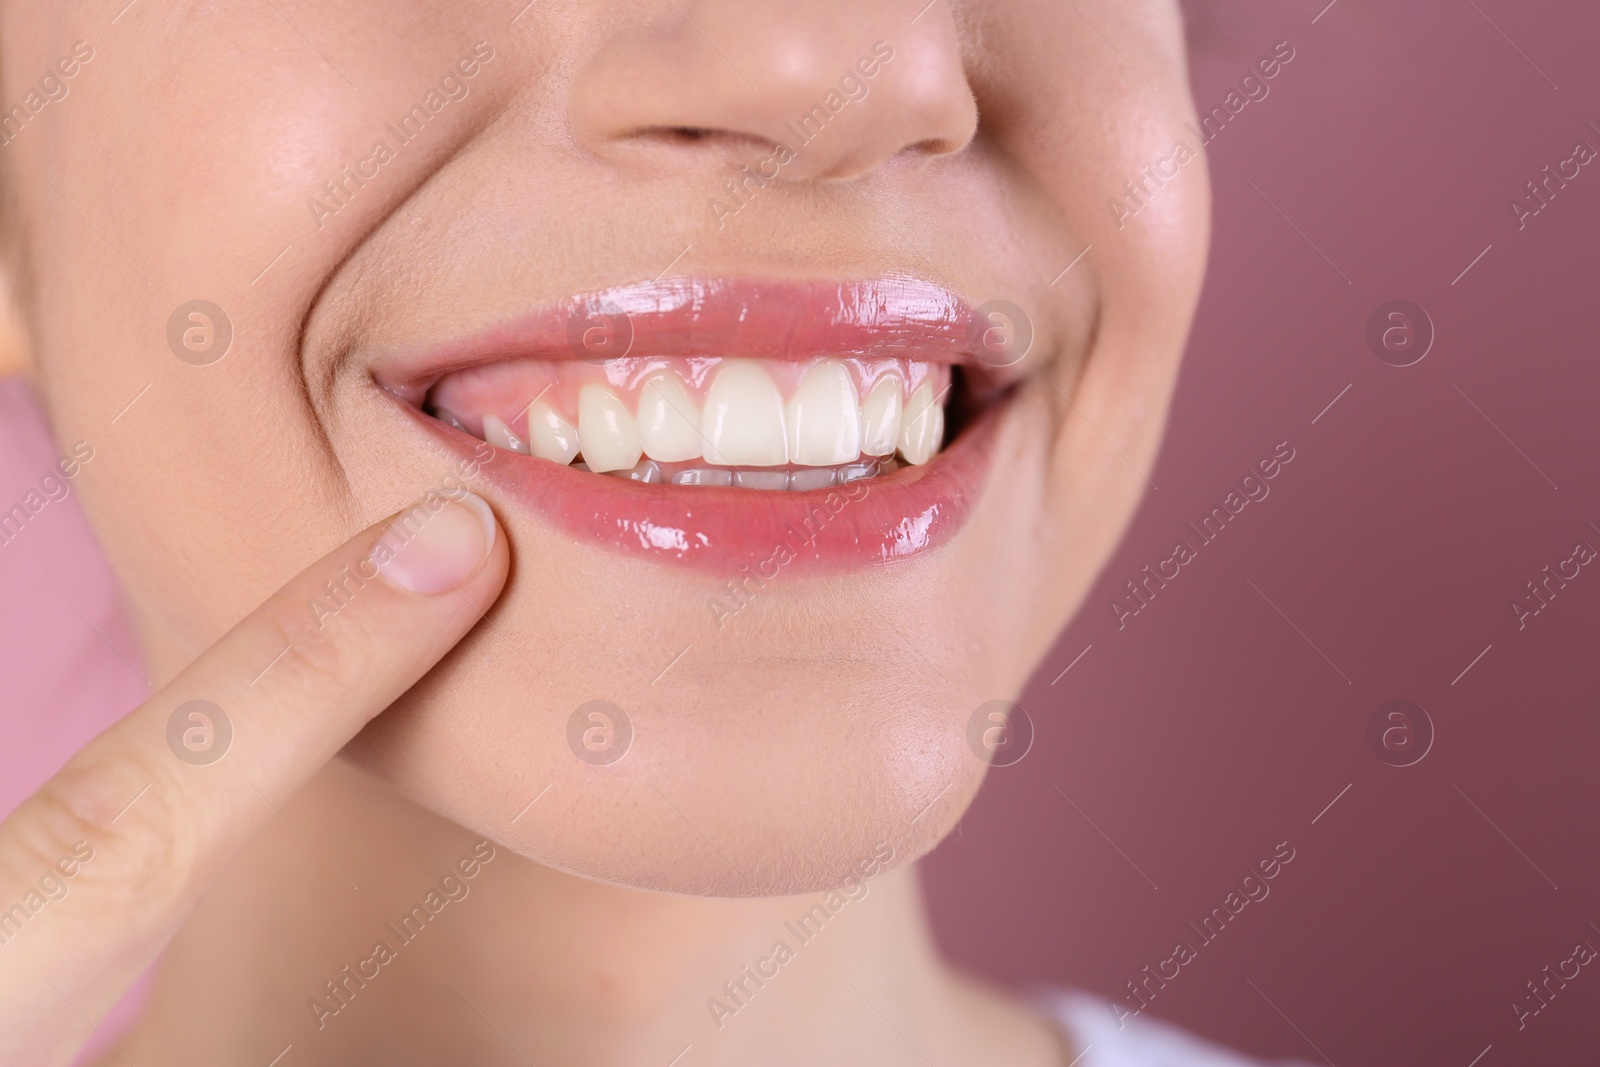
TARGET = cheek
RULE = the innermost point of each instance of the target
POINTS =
(1083, 123)
(1087, 127)
(223, 457)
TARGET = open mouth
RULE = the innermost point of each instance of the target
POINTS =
(756, 424)
(712, 420)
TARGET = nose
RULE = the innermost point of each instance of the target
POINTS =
(824, 89)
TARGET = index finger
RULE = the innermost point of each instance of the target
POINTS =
(142, 835)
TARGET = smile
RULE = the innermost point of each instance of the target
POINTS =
(713, 420)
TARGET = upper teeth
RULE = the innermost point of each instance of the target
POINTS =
(552, 437)
(744, 420)
(922, 428)
(824, 417)
(669, 420)
(880, 419)
(608, 432)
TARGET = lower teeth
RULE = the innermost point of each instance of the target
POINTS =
(797, 480)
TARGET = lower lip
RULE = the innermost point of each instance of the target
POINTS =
(872, 521)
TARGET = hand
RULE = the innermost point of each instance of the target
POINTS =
(100, 867)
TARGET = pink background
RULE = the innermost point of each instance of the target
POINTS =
(1208, 729)
(1211, 727)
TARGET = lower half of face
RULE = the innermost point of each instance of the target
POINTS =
(810, 410)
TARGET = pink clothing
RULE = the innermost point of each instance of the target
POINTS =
(69, 659)
(69, 662)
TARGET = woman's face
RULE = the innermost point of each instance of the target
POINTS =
(741, 239)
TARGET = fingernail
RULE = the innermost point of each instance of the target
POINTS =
(436, 544)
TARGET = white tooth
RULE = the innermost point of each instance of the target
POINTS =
(743, 420)
(648, 471)
(824, 417)
(607, 433)
(703, 476)
(880, 417)
(854, 472)
(936, 431)
(812, 478)
(769, 480)
(551, 436)
(923, 426)
(497, 433)
(669, 420)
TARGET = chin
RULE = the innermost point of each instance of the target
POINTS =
(718, 797)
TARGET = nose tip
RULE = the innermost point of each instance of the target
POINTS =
(850, 117)
(827, 97)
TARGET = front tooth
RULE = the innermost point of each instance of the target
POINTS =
(607, 432)
(551, 436)
(743, 420)
(497, 433)
(824, 417)
(880, 417)
(923, 426)
(669, 420)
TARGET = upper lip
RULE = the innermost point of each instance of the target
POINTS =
(886, 317)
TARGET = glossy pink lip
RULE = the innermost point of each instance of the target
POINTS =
(729, 530)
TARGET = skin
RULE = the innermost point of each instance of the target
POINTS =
(777, 753)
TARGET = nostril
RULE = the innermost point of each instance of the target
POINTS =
(732, 144)
(935, 146)
(835, 99)
(688, 134)
(679, 135)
